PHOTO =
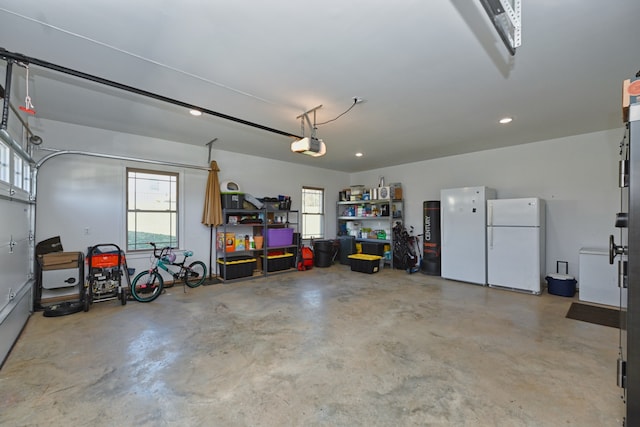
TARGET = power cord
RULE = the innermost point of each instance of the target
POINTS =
(355, 101)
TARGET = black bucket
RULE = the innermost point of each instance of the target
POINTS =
(323, 253)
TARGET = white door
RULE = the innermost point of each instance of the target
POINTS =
(513, 258)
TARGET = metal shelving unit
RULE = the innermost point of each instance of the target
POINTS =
(380, 214)
(251, 222)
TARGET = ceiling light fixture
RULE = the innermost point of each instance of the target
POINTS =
(358, 154)
(196, 113)
(505, 120)
(311, 145)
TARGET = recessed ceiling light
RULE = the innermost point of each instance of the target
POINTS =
(506, 120)
(195, 113)
(359, 154)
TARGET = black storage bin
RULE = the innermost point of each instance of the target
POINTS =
(364, 263)
(236, 267)
(373, 248)
(347, 247)
(279, 262)
(232, 200)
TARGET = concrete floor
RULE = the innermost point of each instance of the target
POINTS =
(317, 348)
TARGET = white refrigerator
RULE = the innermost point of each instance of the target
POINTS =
(516, 244)
(463, 231)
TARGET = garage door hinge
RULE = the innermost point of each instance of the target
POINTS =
(621, 379)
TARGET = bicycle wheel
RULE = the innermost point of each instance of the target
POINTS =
(195, 274)
(147, 286)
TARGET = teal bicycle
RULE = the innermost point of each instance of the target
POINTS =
(148, 285)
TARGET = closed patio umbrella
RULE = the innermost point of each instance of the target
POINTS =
(212, 212)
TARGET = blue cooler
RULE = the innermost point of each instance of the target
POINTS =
(561, 284)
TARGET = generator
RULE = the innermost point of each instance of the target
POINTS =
(106, 267)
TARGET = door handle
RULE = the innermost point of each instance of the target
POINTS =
(615, 250)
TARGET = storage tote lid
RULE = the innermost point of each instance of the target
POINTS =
(558, 276)
(365, 257)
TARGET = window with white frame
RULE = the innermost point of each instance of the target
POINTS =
(152, 209)
(17, 171)
(312, 213)
(26, 177)
(5, 167)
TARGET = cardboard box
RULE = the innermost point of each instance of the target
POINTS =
(396, 191)
(60, 260)
(241, 242)
(226, 242)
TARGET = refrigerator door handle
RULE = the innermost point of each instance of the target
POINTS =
(490, 224)
(490, 214)
(490, 237)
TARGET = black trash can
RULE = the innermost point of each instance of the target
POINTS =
(323, 252)
(347, 247)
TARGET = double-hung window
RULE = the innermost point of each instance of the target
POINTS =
(312, 213)
(152, 209)
(5, 167)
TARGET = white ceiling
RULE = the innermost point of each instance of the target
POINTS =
(434, 74)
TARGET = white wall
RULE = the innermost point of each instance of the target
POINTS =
(76, 193)
(577, 176)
